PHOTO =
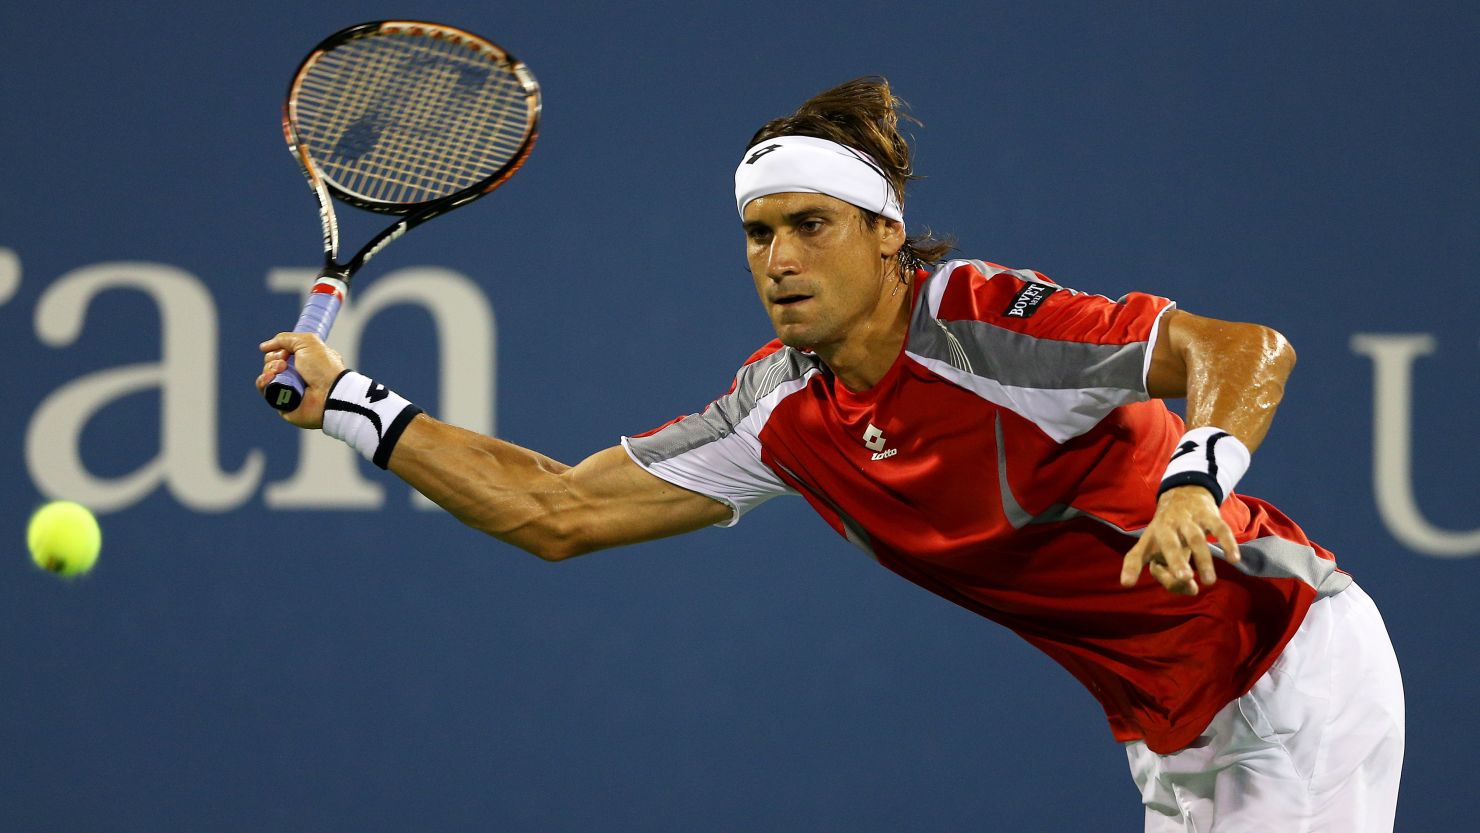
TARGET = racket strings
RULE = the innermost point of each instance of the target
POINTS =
(406, 119)
(418, 141)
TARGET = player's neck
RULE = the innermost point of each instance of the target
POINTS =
(865, 356)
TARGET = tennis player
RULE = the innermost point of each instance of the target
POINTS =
(1001, 440)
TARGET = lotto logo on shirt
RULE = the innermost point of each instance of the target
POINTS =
(1026, 302)
(873, 440)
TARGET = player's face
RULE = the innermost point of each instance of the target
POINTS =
(821, 270)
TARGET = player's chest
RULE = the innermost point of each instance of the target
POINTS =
(921, 446)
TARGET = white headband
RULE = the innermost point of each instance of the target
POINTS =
(804, 164)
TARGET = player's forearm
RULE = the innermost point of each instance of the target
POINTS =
(512, 493)
(1233, 376)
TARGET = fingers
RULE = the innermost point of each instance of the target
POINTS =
(275, 352)
(1197, 534)
(1130, 566)
(1170, 551)
(1166, 554)
(1180, 582)
(306, 346)
(1170, 564)
(1164, 576)
(1202, 554)
(274, 359)
(1226, 540)
(1175, 545)
(288, 342)
(316, 363)
(273, 363)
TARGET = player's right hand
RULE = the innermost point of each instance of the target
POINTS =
(316, 362)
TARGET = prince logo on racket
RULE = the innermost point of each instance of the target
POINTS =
(1039, 438)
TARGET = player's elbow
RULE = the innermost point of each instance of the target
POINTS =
(1278, 351)
(556, 549)
(552, 538)
(1269, 359)
(1224, 344)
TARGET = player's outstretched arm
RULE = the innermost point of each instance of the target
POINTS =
(512, 493)
(1233, 376)
(550, 509)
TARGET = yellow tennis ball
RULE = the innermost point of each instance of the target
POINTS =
(64, 538)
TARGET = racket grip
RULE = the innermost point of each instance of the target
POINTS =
(285, 391)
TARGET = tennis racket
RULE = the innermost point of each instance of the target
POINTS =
(399, 117)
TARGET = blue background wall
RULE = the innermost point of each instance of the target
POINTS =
(239, 664)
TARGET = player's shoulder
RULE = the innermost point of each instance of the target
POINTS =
(981, 290)
(770, 348)
(772, 365)
(774, 352)
(769, 367)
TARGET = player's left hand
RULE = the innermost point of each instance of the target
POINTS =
(1175, 543)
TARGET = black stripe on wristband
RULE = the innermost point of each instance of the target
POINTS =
(1193, 478)
(1213, 458)
(334, 384)
(352, 408)
(392, 435)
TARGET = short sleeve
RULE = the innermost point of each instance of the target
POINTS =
(717, 452)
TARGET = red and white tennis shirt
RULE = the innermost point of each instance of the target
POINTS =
(1007, 461)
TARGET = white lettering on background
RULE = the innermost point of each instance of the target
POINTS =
(10, 274)
(1392, 445)
(185, 378)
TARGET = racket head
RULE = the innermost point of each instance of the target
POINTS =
(402, 116)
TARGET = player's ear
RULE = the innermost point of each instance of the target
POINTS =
(891, 236)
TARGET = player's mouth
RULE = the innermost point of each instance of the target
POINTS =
(790, 299)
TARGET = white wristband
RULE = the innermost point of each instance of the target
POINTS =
(366, 415)
(1208, 457)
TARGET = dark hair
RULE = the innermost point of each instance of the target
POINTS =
(864, 114)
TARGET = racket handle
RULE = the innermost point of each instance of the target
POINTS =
(285, 391)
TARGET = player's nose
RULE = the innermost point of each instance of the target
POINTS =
(783, 257)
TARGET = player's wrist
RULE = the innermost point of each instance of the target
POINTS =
(366, 415)
(1208, 457)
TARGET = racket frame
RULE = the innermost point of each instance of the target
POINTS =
(331, 286)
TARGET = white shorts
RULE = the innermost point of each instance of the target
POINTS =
(1315, 747)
